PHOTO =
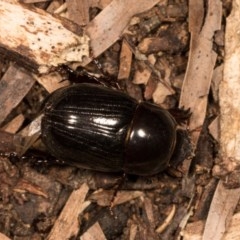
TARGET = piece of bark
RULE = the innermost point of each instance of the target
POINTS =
(194, 230)
(14, 86)
(107, 27)
(94, 233)
(143, 73)
(54, 5)
(37, 40)
(24, 185)
(214, 128)
(42, 192)
(105, 197)
(168, 220)
(229, 100)
(160, 93)
(125, 61)
(229, 89)
(201, 62)
(14, 125)
(4, 237)
(78, 11)
(133, 231)
(233, 232)
(67, 225)
(204, 197)
(34, 1)
(222, 208)
(166, 43)
(28, 136)
(150, 88)
(216, 79)
(8, 142)
(149, 209)
(126, 196)
(100, 3)
(52, 81)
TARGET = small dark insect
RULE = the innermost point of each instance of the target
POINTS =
(95, 127)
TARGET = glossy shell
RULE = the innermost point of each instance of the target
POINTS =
(94, 127)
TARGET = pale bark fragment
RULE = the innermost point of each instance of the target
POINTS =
(229, 90)
(233, 232)
(28, 136)
(220, 213)
(14, 86)
(14, 125)
(194, 230)
(201, 62)
(52, 81)
(107, 27)
(37, 40)
(125, 61)
(54, 6)
(67, 225)
(160, 94)
(8, 142)
(105, 197)
(168, 220)
(214, 128)
(142, 75)
(229, 101)
(133, 231)
(34, 1)
(94, 233)
(216, 79)
(78, 11)
(3, 237)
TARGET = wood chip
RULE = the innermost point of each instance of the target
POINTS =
(52, 81)
(102, 197)
(25, 186)
(54, 5)
(214, 128)
(160, 93)
(142, 75)
(222, 208)
(106, 28)
(126, 196)
(133, 231)
(201, 62)
(78, 11)
(36, 38)
(4, 237)
(105, 197)
(229, 89)
(194, 230)
(225, 201)
(233, 232)
(165, 43)
(167, 221)
(8, 142)
(67, 224)
(28, 136)
(94, 233)
(15, 84)
(14, 125)
(33, 1)
(125, 61)
(216, 79)
(148, 206)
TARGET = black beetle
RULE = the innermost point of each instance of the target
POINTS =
(94, 127)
